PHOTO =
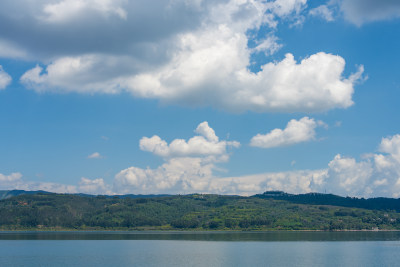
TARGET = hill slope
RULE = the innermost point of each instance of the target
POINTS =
(380, 203)
(197, 212)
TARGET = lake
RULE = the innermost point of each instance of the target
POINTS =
(200, 249)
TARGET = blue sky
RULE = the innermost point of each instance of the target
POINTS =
(224, 96)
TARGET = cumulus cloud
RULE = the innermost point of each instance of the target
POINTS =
(314, 84)
(377, 174)
(347, 176)
(363, 11)
(95, 186)
(391, 146)
(5, 78)
(205, 144)
(296, 131)
(188, 166)
(95, 155)
(179, 52)
(177, 175)
(292, 181)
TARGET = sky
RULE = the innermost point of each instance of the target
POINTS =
(200, 96)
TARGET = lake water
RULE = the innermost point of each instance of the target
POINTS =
(199, 249)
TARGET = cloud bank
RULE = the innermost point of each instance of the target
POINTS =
(376, 175)
(95, 186)
(15, 181)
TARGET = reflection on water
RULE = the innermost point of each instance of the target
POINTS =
(205, 236)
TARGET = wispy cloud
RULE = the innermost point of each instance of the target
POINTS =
(95, 155)
(5, 78)
(364, 11)
(322, 11)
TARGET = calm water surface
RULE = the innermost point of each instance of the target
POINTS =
(199, 249)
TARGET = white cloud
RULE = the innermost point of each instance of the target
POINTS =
(95, 186)
(376, 175)
(184, 52)
(314, 84)
(73, 74)
(15, 181)
(95, 155)
(363, 11)
(349, 177)
(49, 187)
(268, 45)
(391, 146)
(177, 175)
(5, 78)
(296, 131)
(322, 11)
(67, 10)
(11, 178)
(284, 8)
(188, 164)
(293, 182)
(207, 143)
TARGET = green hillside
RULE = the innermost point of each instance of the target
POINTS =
(190, 212)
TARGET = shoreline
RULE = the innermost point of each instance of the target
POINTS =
(183, 231)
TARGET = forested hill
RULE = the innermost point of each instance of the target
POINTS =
(43, 210)
(380, 203)
(4, 194)
(334, 200)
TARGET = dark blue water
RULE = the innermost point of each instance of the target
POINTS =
(200, 249)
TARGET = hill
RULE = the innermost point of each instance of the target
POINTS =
(380, 203)
(4, 194)
(268, 211)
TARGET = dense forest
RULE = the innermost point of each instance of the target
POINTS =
(269, 211)
(380, 203)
